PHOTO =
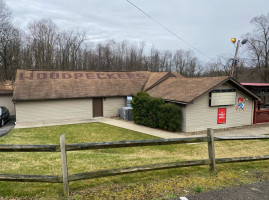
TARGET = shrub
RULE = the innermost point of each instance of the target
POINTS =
(170, 117)
(145, 109)
(140, 107)
(153, 112)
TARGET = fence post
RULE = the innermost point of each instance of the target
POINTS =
(211, 149)
(64, 166)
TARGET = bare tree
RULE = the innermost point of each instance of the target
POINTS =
(69, 50)
(258, 45)
(185, 62)
(10, 43)
(42, 41)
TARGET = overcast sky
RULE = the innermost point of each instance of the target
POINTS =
(207, 25)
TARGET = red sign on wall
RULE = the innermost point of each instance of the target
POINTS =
(221, 115)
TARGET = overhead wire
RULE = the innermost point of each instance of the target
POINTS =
(170, 31)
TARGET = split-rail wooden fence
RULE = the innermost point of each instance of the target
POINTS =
(65, 178)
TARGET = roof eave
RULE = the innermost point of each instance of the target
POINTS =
(63, 98)
(6, 92)
(175, 101)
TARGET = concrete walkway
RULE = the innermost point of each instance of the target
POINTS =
(247, 131)
(142, 129)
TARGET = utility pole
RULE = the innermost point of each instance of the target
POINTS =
(234, 65)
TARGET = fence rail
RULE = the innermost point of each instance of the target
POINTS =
(120, 144)
(63, 148)
(29, 148)
(31, 178)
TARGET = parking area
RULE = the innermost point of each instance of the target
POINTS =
(7, 127)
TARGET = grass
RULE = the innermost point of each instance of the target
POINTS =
(198, 189)
(161, 184)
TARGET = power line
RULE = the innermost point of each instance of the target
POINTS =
(170, 31)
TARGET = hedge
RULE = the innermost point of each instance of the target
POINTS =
(170, 117)
(155, 113)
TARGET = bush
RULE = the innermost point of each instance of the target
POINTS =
(170, 117)
(140, 103)
(153, 112)
(145, 109)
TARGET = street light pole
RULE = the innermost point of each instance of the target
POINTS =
(234, 65)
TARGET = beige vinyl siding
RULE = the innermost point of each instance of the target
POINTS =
(112, 105)
(53, 111)
(183, 122)
(200, 116)
(6, 101)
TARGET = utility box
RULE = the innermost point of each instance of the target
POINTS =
(126, 113)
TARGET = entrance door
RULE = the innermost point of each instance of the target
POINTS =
(97, 107)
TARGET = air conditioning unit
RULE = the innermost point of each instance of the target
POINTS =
(126, 113)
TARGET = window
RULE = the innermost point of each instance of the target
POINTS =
(222, 97)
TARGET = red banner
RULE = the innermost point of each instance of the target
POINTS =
(221, 115)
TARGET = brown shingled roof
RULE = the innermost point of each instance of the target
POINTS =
(185, 89)
(158, 77)
(153, 78)
(38, 85)
(41, 85)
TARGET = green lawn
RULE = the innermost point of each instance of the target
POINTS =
(161, 184)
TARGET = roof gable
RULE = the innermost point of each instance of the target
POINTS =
(186, 90)
(158, 77)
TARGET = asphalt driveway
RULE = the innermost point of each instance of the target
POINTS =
(7, 127)
(255, 191)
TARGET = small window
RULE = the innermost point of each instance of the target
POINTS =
(222, 97)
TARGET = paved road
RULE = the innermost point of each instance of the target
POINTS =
(7, 127)
(256, 191)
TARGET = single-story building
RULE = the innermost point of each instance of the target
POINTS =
(50, 96)
(6, 94)
(208, 102)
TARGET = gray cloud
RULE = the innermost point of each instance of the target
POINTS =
(208, 25)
